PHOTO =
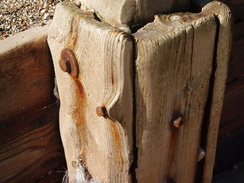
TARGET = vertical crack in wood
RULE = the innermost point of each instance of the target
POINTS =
(134, 164)
(160, 75)
(223, 47)
(207, 110)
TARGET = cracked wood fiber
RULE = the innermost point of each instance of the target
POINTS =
(181, 66)
(104, 55)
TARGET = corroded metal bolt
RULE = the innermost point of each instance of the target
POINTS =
(102, 111)
(177, 120)
(68, 62)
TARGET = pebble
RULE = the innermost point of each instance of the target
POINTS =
(19, 15)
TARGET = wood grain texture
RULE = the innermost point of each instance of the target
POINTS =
(125, 13)
(31, 150)
(223, 47)
(30, 145)
(26, 74)
(174, 65)
(104, 55)
(229, 147)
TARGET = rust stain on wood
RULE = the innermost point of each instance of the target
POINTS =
(171, 157)
(81, 121)
(112, 74)
(118, 146)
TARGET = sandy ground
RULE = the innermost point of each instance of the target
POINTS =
(19, 15)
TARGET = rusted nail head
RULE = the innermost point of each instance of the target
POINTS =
(65, 65)
(68, 62)
(177, 120)
(102, 111)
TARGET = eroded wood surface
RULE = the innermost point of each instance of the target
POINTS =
(31, 149)
(102, 145)
(229, 148)
(175, 63)
(219, 76)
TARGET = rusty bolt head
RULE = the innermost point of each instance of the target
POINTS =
(177, 120)
(68, 62)
(102, 111)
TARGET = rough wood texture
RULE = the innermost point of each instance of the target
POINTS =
(223, 47)
(30, 145)
(230, 149)
(104, 54)
(26, 74)
(174, 65)
(125, 13)
(31, 149)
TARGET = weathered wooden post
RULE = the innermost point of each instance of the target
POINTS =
(138, 107)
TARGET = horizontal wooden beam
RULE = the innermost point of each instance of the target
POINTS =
(127, 13)
(26, 74)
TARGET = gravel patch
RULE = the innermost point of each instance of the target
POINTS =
(19, 15)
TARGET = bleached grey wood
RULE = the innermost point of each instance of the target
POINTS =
(100, 145)
(174, 63)
(180, 67)
(125, 13)
(223, 48)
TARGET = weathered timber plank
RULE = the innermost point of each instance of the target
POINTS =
(174, 65)
(104, 54)
(223, 47)
(26, 74)
(236, 8)
(31, 150)
(126, 13)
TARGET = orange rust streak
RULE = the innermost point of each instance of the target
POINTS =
(172, 144)
(117, 141)
(80, 89)
(115, 134)
(81, 121)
